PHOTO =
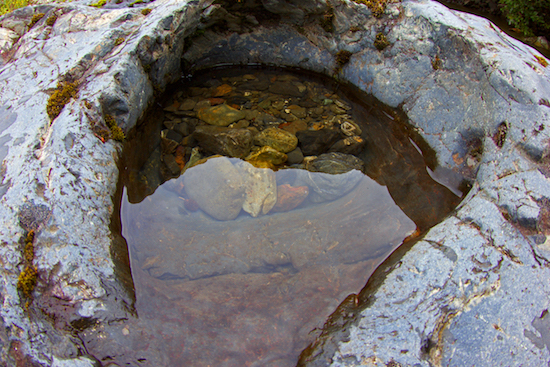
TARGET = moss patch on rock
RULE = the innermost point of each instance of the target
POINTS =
(28, 277)
(381, 42)
(377, 7)
(116, 132)
(35, 18)
(59, 98)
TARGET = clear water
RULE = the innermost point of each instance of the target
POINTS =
(255, 291)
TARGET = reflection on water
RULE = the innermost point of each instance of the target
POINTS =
(238, 265)
(254, 288)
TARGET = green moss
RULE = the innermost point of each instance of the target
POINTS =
(28, 250)
(328, 17)
(381, 42)
(60, 97)
(51, 20)
(99, 4)
(27, 280)
(377, 7)
(10, 5)
(35, 18)
(119, 41)
(28, 277)
(436, 63)
(116, 132)
(342, 58)
(131, 5)
(146, 11)
(529, 16)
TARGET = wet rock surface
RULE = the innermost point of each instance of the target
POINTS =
(475, 284)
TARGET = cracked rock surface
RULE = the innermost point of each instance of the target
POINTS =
(474, 290)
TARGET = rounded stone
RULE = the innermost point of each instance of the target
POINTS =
(278, 139)
(220, 115)
(217, 187)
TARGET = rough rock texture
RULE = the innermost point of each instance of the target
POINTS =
(474, 290)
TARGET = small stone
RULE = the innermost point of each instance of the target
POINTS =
(288, 116)
(168, 146)
(289, 197)
(337, 110)
(187, 105)
(286, 89)
(182, 128)
(350, 145)
(224, 141)
(297, 111)
(266, 157)
(171, 163)
(222, 90)
(221, 115)
(278, 139)
(173, 135)
(169, 124)
(342, 105)
(201, 105)
(216, 101)
(265, 104)
(315, 142)
(294, 126)
(278, 105)
(241, 124)
(251, 114)
(191, 205)
(350, 128)
(295, 157)
(317, 111)
(173, 107)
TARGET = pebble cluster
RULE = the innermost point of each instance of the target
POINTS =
(268, 121)
(240, 116)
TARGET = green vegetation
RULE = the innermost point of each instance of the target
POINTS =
(436, 62)
(377, 7)
(59, 98)
(10, 5)
(328, 17)
(116, 132)
(381, 42)
(528, 16)
(51, 20)
(119, 41)
(146, 11)
(342, 58)
(35, 18)
(131, 5)
(99, 4)
(28, 276)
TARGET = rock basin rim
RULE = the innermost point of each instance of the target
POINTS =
(485, 265)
